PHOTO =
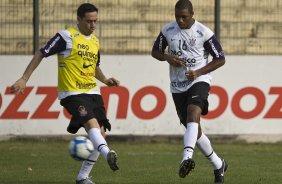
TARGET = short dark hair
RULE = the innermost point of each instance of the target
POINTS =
(84, 8)
(184, 4)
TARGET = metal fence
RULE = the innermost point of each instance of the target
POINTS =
(131, 26)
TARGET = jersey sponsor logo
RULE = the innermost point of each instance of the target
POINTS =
(213, 48)
(86, 66)
(189, 62)
(52, 45)
(176, 53)
(87, 74)
(85, 54)
(85, 85)
(181, 84)
(83, 46)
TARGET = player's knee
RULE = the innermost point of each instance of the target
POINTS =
(193, 118)
(193, 114)
(92, 123)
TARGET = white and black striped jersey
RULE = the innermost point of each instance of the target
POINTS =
(192, 45)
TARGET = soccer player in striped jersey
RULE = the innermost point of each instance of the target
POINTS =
(189, 43)
(78, 68)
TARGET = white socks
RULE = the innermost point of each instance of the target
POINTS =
(98, 141)
(100, 146)
(204, 145)
(87, 165)
(190, 139)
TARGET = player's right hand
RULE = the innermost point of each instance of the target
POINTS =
(18, 87)
(112, 82)
(175, 61)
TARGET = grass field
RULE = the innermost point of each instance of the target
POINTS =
(48, 162)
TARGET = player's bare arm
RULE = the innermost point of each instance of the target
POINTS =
(108, 81)
(173, 60)
(158, 52)
(211, 66)
(19, 85)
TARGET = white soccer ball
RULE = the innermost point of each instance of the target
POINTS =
(80, 148)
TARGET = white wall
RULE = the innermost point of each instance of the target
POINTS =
(246, 97)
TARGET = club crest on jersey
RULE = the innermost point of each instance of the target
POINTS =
(192, 42)
(82, 111)
(76, 35)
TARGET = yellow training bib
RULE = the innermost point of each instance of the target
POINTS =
(76, 73)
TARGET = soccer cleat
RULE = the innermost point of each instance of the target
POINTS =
(112, 160)
(85, 181)
(219, 173)
(185, 167)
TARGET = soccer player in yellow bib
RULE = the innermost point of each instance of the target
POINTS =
(78, 68)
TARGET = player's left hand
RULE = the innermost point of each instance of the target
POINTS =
(112, 82)
(191, 75)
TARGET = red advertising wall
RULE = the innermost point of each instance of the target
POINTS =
(245, 98)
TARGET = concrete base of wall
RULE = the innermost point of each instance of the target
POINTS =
(155, 139)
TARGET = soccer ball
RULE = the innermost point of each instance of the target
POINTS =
(80, 148)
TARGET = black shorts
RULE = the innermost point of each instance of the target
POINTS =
(84, 107)
(197, 95)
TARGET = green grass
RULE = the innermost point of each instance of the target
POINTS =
(48, 162)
